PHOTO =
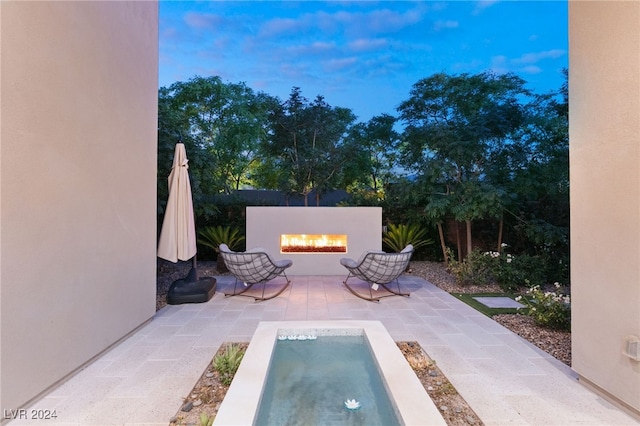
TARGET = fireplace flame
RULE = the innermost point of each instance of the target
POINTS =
(313, 243)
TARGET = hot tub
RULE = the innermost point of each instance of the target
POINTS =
(409, 399)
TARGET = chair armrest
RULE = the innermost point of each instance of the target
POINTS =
(284, 263)
(348, 263)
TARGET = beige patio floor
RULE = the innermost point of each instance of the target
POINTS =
(504, 378)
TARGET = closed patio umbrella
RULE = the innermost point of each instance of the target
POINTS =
(178, 235)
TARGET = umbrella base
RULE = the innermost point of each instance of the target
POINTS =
(200, 291)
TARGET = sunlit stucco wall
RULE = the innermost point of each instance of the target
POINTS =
(604, 122)
(77, 184)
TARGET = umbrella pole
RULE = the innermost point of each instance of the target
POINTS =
(193, 273)
(195, 266)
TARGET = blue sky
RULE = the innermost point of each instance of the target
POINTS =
(361, 55)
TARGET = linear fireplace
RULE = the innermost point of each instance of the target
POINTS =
(315, 243)
(314, 238)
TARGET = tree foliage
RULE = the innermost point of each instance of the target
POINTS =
(470, 148)
(222, 126)
(173, 127)
(308, 144)
(454, 126)
(378, 142)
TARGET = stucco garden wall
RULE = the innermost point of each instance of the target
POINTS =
(604, 122)
(361, 225)
(77, 185)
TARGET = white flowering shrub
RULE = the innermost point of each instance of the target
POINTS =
(507, 270)
(513, 272)
(475, 269)
(551, 309)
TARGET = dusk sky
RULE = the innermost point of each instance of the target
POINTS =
(361, 55)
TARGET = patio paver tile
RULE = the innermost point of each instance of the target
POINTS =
(504, 378)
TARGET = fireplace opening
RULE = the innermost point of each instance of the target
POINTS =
(313, 243)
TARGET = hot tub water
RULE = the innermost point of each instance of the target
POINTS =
(309, 381)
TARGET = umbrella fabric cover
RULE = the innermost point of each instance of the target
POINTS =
(178, 234)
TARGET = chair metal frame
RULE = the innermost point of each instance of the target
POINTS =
(378, 268)
(254, 267)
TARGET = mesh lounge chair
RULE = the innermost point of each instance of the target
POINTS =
(378, 269)
(253, 267)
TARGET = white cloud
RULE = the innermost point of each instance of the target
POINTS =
(530, 69)
(297, 71)
(525, 64)
(482, 5)
(168, 33)
(471, 66)
(361, 44)
(390, 21)
(440, 25)
(354, 24)
(500, 64)
(333, 65)
(532, 58)
(202, 20)
(383, 66)
(315, 48)
(281, 26)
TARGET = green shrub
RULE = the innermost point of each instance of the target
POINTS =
(512, 272)
(206, 420)
(213, 236)
(397, 237)
(509, 271)
(227, 363)
(551, 309)
(475, 269)
(506, 272)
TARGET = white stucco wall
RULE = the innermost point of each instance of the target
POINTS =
(604, 87)
(77, 184)
(362, 225)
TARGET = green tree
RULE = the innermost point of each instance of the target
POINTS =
(454, 125)
(173, 127)
(534, 168)
(308, 143)
(378, 142)
(226, 120)
(287, 147)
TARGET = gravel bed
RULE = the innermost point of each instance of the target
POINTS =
(168, 272)
(555, 343)
(436, 273)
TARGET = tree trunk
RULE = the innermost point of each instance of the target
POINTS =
(469, 244)
(458, 242)
(443, 245)
(500, 226)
